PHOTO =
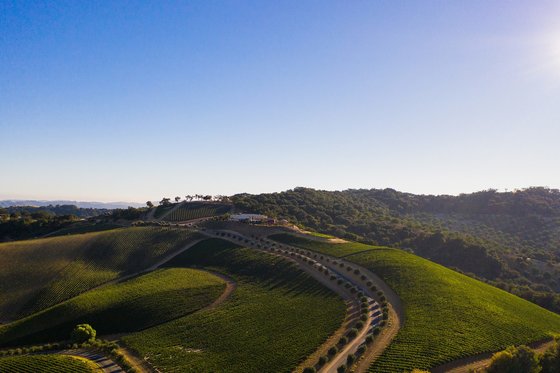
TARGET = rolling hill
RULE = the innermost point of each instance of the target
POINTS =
(36, 274)
(447, 315)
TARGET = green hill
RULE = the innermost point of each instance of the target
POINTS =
(45, 364)
(510, 240)
(129, 306)
(197, 210)
(36, 274)
(447, 315)
(275, 318)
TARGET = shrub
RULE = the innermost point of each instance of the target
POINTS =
(382, 298)
(385, 315)
(514, 359)
(353, 333)
(82, 333)
(363, 277)
(383, 323)
(341, 369)
(361, 349)
(323, 360)
(379, 293)
(350, 359)
(309, 370)
(343, 340)
(363, 318)
(550, 360)
(369, 339)
(332, 351)
(369, 283)
(356, 271)
(363, 299)
(376, 331)
(359, 324)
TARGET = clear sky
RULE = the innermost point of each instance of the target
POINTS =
(125, 100)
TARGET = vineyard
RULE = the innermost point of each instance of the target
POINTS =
(276, 317)
(447, 315)
(45, 364)
(197, 210)
(338, 250)
(36, 274)
(154, 298)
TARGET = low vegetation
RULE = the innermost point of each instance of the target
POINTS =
(447, 315)
(276, 317)
(36, 274)
(46, 364)
(197, 210)
(130, 306)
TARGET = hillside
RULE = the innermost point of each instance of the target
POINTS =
(46, 364)
(36, 274)
(275, 318)
(511, 240)
(129, 306)
(447, 315)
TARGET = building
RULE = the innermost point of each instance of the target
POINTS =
(250, 218)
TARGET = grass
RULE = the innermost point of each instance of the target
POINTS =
(276, 317)
(197, 210)
(135, 304)
(338, 249)
(447, 315)
(46, 364)
(36, 274)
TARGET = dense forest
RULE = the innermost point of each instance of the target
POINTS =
(509, 239)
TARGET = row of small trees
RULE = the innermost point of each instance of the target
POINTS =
(165, 201)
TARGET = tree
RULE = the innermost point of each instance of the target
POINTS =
(149, 204)
(165, 201)
(177, 199)
(550, 360)
(309, 370)
(514, 360)
(82, 333)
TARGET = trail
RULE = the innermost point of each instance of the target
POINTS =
(104, 363)
(302, 259)
(478, 362)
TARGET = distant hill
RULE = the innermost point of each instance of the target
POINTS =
(510, 239)
(81, 204)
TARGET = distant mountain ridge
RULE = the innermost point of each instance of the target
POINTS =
(82, 204)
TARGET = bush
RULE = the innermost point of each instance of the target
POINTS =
(369, 284)
(550, 360)
(514, 359)
(376, 331)
(309, 370)
(356, 271)
(369, 339)
(350, 359)
(353, 333)
(323, 360)
(363, 318)
(382, 298)
(332, 351)
(341, 369)
(361, 350)
(343, 340)
(385, 315)
(379, 293)
(363, 299)
(82, 333)
(359, 325)
(363, 277)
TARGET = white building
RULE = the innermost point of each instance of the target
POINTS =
(250, 218)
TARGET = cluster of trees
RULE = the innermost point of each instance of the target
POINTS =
(24, 224)
(524, 360)
(388, 217)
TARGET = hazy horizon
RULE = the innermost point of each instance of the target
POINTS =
(111, 101)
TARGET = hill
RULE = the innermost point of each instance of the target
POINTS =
(511, 240)
(447, 314)
(275, 318)
(46, 364)
(36, 274)
(129, 306)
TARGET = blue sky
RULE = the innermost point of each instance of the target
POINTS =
(110, 100)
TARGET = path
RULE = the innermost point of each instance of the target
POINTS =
(104, 363)
(303, 257)
(478, 362)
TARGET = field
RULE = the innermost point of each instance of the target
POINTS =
(197, 210)
(135, 304)
(275, 318)
(36, 274)
(447, 315)
(45, 364)
(338, 250)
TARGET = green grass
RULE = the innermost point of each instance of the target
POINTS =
(36, 274)
(447, 315)
(135, 304)
(197, 210)
(276, 317)
(45, 364)
(334, 249)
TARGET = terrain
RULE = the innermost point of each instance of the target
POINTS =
(183, 289)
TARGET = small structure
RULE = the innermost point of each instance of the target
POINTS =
(250, 218)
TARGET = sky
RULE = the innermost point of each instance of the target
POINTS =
(136, 100)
